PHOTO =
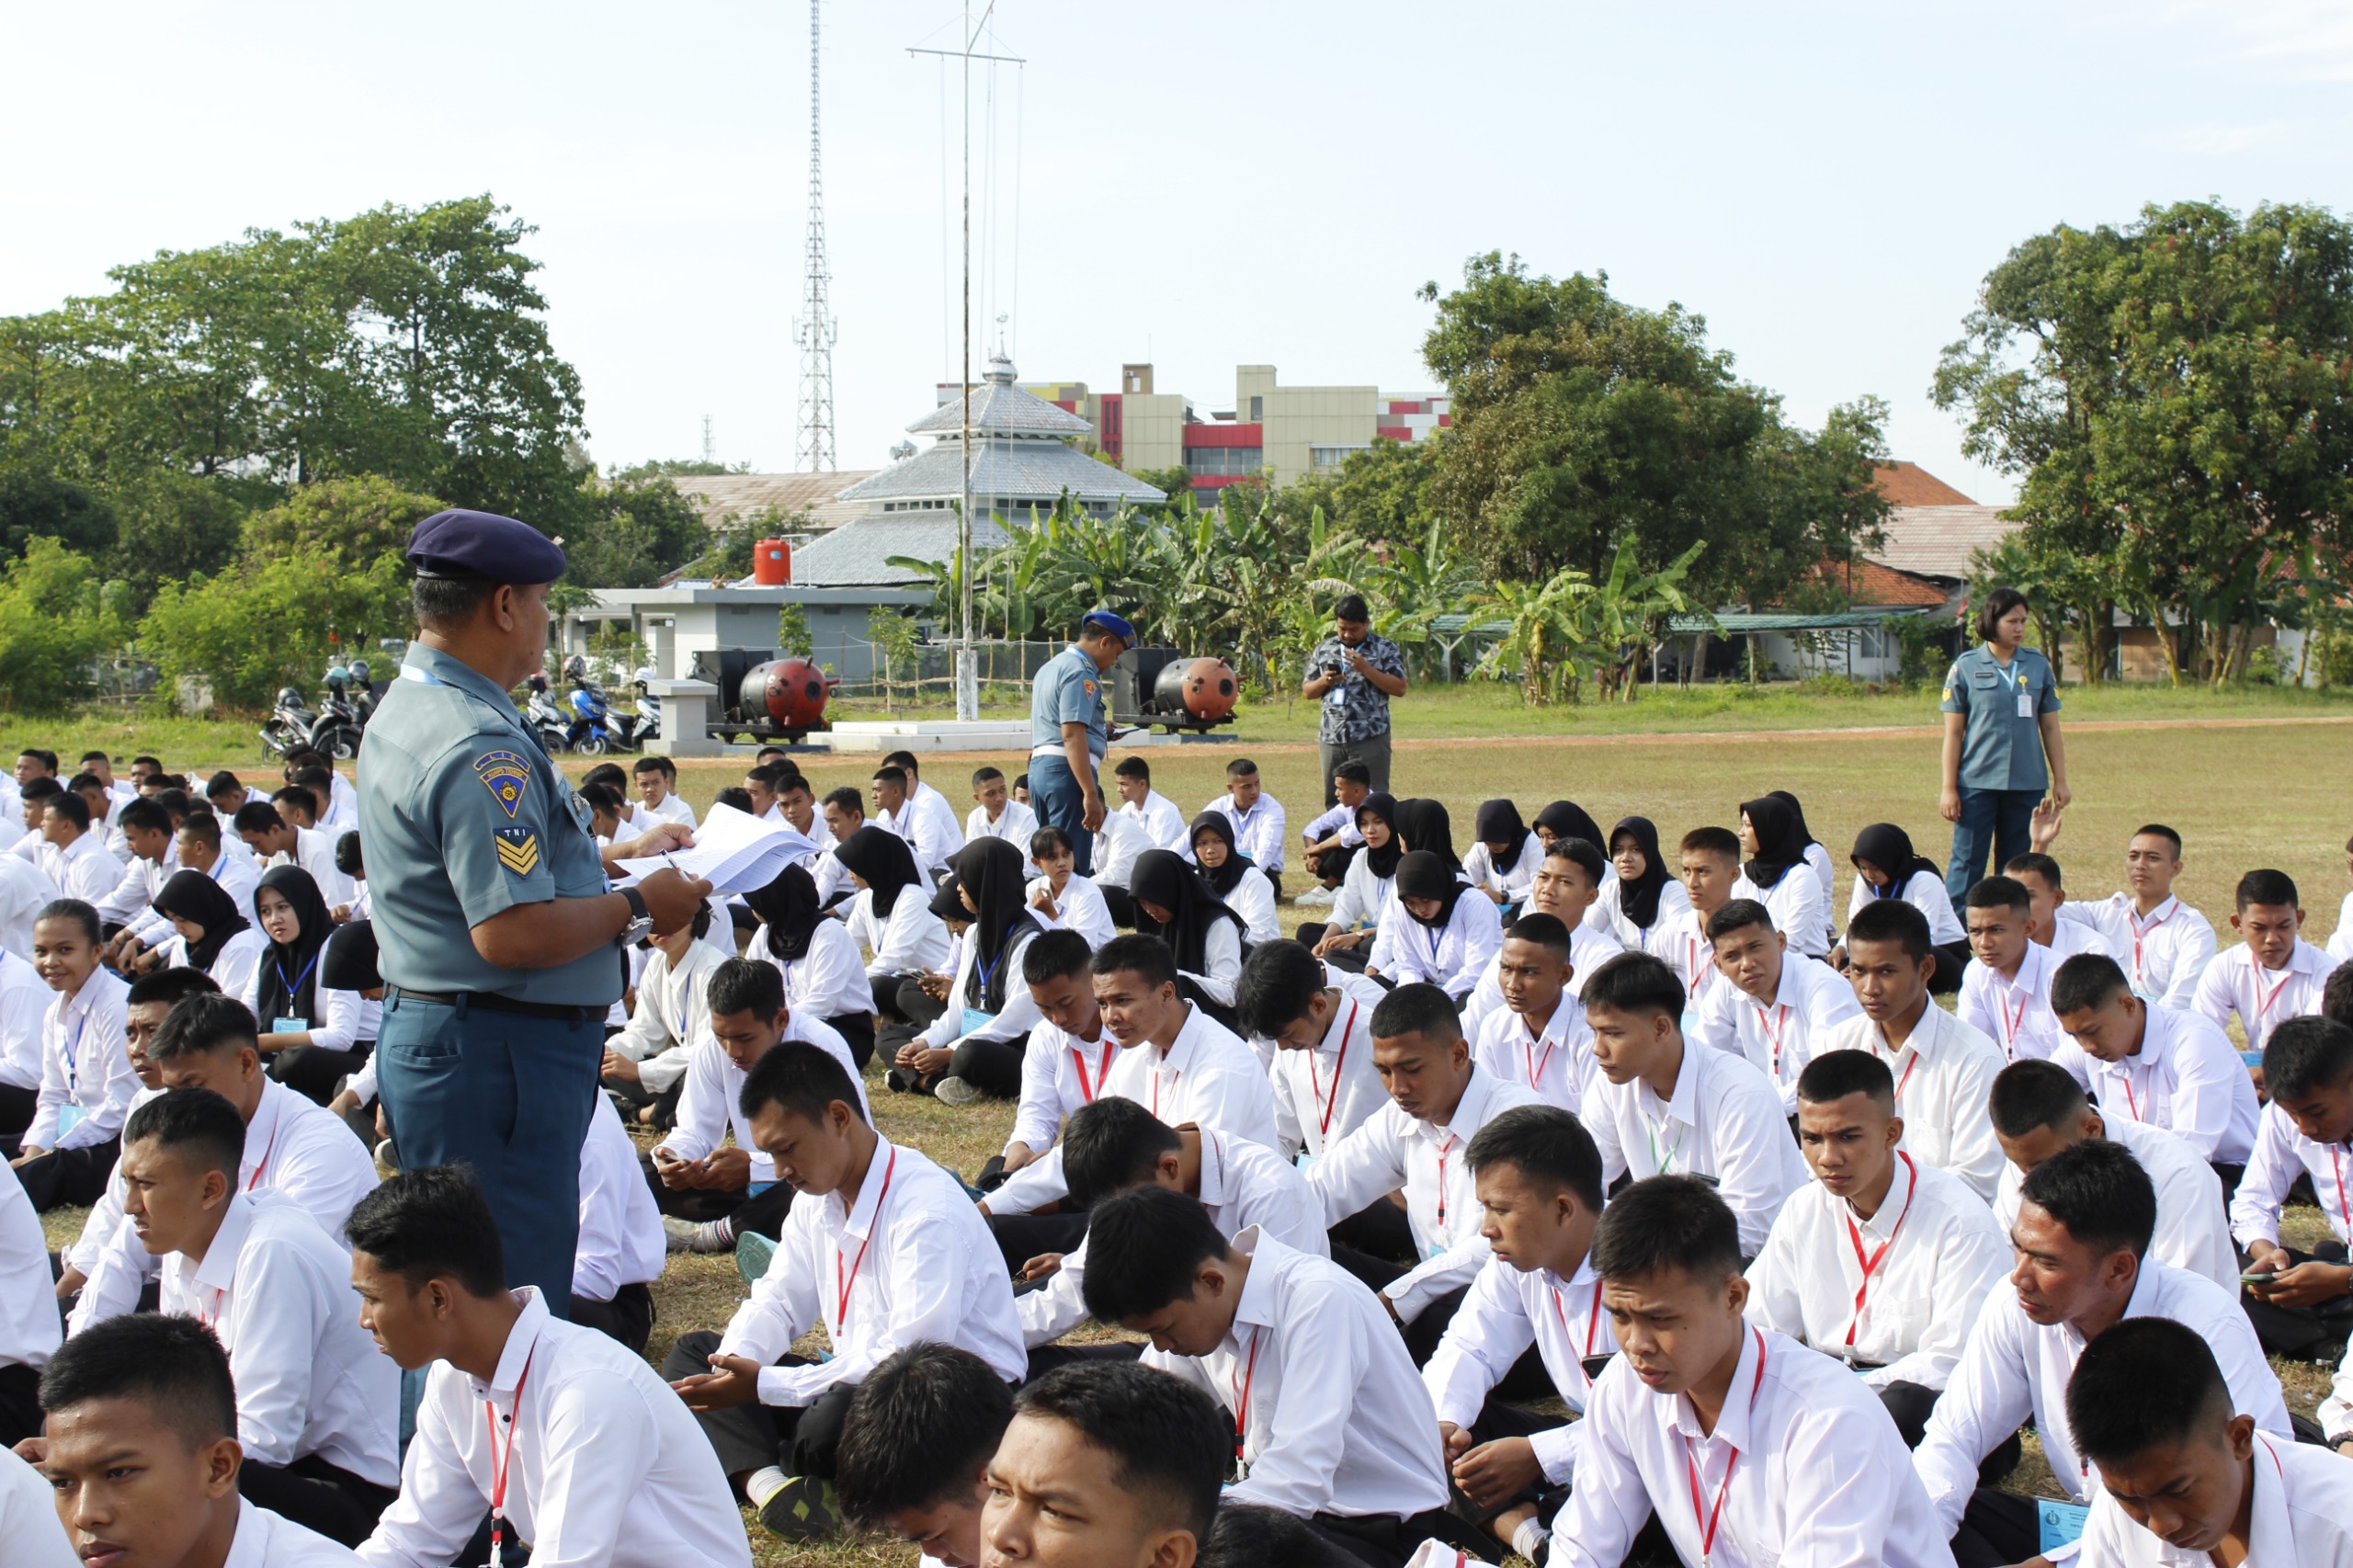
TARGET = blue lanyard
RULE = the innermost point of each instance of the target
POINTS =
(297, 984)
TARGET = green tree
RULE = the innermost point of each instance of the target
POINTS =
(678, 468)
(57, 621)
(37, 505)
(342, 525)
(273, 622)
(630, 533)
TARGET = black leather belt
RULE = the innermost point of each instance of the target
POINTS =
(491, 1001)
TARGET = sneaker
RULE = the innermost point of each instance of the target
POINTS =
(956, 1091)
(801, 1509)
(685, 1236)
(388, 1157)
(754, 1252)
(1316, 895)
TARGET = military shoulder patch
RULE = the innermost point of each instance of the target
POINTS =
(519, 850)
(505, 774)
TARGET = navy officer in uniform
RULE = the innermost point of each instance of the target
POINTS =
(1069, 731)
(501, 942)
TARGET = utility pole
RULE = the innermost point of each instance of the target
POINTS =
(817, 329)
(710, 448)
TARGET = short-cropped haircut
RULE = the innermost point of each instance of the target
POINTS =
(171, 986)
(2101, 1193)
(431, 1223)
(2304, 1054)
(799, 1080)
(1143, 1248)
(2087, 981)
(202, 827)
(170, 1363)
(847, 800)
(1417, 1007)
(145, 815)
(1738, 915)
(2267, 887)
(1548, 1146)
(1355, 772)
(2030, 1095)
(1277, 986)
(2335, 997)
(2145, 1381)
(2159, 830)
(1721, 842)
(1109, 1145)
(1635, 982)
(655, 763)
(1133, 767)
(197, 1124)
(257, 816)
(1587, 858)
(918, 1429)
(1545, 930)
(1170, 1443)
(986, 775)
(2034, 863)
(1241, 768)
(2001, 893)
(1891, 920)
(203, 1023)
(1053, 955)
(1833, 1075)
(745, 985)
(1145, 956)
(1664, 1223)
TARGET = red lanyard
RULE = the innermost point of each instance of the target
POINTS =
(1710, 1518)
(1871, 1264)
(1324, 1127)
(1174, 1079)
(2263, 1004)
(2139, 931)
(1592, 1321)
(1242, 1397)
(842, 1288)
(1698, 975)
(2131, 1102)
(269, 1149)
(2344, 1211)
(1534, 1062)
(1444, 1149)
(501, 1464)
(2012, 1022)
(1774, 1031)
(1087, 1091)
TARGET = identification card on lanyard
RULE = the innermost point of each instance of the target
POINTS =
(2026, 697)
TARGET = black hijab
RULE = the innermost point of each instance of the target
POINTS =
(993, 872)
(1780, 839)
(1638, 900)
(1162, 877)
(1423, 875)
(194, 897)
(349, 961)
(1889, 847)
(289, 975)
(1566, 819)
(947, 901)
(788, 907)
(882, 860)
(1805, 834)
(1380, 862)
(1224, 880)
(1498, 822)
(1426, 829)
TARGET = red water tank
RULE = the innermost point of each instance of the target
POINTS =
(772, 563)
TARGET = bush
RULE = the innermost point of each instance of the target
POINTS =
(57, 621)
(248, 633)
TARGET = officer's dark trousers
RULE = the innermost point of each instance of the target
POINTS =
(1061, 801)
(508, 1095)
(750, 1437)
(1993, 826)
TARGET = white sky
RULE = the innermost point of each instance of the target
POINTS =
(1206, 184)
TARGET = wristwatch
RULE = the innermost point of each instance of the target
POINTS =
(640, 921)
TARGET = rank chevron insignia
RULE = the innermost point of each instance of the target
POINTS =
(519, 850)
(505, 774)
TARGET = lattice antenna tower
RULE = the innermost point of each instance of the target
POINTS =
(815, 329)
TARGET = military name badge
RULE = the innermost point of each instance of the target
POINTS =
(519, 850)
(505, 774)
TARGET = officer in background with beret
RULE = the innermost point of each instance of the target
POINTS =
(500, 942)
(1069, 731)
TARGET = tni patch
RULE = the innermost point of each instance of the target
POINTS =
(505, 774)
(519, 850)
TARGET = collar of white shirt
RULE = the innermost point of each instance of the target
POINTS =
(858, 1222)
(1892, 1209)
(1179, 1055)
(2029, 982)
(1256, 1307)
(218, 1272)
(522, 1340)
(1740, 1401)
(1470, 1111)
(1684, 1106)
(1927, 1034)
(1334, 1042)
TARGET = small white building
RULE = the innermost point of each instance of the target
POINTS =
(689, 618)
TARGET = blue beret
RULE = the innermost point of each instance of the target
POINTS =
(1116, 624)
(484, 545)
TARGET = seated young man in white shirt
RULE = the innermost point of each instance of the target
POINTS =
(1567, 882)
(622, 1245)
(1257, 819)
(2168, 943)
(915, 1452)
(1332, 1424)
(1068, 1058)
(2183, 1478)
(1942, 1066)
(1665, 1104)
(571, 1441)
(1538, 1038)
(1539, 1178)
(2149, 1063)
(2300, 1305)
(996, 814)
(1781, 1005)
(1438, 1100)
(2082, 1243)
(1162, 823)
(1064, 899)
(2005, 994)
(1736, 1437)
(2046, 893)
(2273, 974)
(1312, 1024)
(2038, 1111)
(1108, 1464)
(1880, 1261)
(888, 1253)
(318, 1409)
(143, 1451)
(1330, 842)
(657, 791)
(1709, 877)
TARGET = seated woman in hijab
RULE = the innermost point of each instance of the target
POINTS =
(1174, 904)
(1238, 885)
(1886, 867)
(905, 937)
(1347, 940)
(974, 1047)
(213, 933)
(818, 957)
(1640, 894)
(1817, 855)
(1451, 932)
(1775, 838)
(1503, 863)
(1423, 825)
(312, 1036)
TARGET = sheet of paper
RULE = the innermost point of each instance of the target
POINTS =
(737, 851)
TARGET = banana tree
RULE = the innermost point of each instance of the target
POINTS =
(1622, 618)
(1547, 635)
(1414, 587)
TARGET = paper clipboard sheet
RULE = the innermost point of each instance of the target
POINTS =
(735, 851)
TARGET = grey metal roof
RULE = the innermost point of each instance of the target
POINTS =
(1027, 470)
(1736, 622)
(1937, 541)
(1001, 408)
(857, 553)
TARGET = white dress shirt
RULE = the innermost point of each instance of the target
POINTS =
(673, 807)
(29, 1329)
(141, 880)
(83, 1063)
(265, 1539)
(29, 1521)
(1060, 1072)
(1724, 1121)
(343, 802)
(1943, 1072)
(2014, 1367)
(1322, 1095)
(24, 892)
(2014, 1011)
(1780, 1037)
(605, 1466)
(1117, 843)
(2340, 941)
(1361, 898)
(1332, 1416)
(2187, 1079)
(1590, 947)
(1804, 1467)
(310, 1380)
(930, 847)
(1800, 905)
(711, 1103)
(1673, 911)
(912, 1260)
(1452, 957)
(1014, 825)
(672, 1013)
(829, 981)
(24, 1006)
(1079, 907)
(314, 852)
(1504, 1310)
(1340, 821)
(239, 878)
(1162, 823)
(1933, 1253)
(1253, 898)
(931, 803)
(1011, 1022)
(1220, 963)
(1556, 1061)
(911, 939)
(1924, 890)
(620, 1225)
(2280, 1153)
(1392, 1150)
(1207, 1077)
(1243, 1185)
(1479, 865)
(2262, 998)
(86, 870)
(2301, 1518)
(1679, 940)
(2164, 952)
(2192, 1233)
(1257, 833)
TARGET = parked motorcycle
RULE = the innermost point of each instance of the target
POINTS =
(596, 728)
(547, 721)
(289, 724)
(333, 727)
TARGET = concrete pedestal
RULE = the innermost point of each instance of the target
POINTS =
(686, 718)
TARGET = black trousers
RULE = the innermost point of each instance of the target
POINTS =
(918, 1006)
(20, 1404)
(1020, 1237)
(803, 1441)
(63, 1177)
(626, 1319)
(856, 1031)
(314, 1071)
(1330, 866)
(1996, 1530)
(1952, 958)
(17, 1108)
(1386, 1540)
(886, 994)
(1121, 902)
(1052, 1357)
(317, 1496)
(764, 1213)
(631, 1096)
(1497, 1421)
(991, 1067)
(1379, 1230)
(2307, 1333)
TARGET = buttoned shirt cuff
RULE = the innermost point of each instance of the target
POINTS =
(658, 1072)
(1412, 1292)
(1556, 1450)
(797, 1387)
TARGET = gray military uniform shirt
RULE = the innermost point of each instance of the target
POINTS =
(462, 817)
